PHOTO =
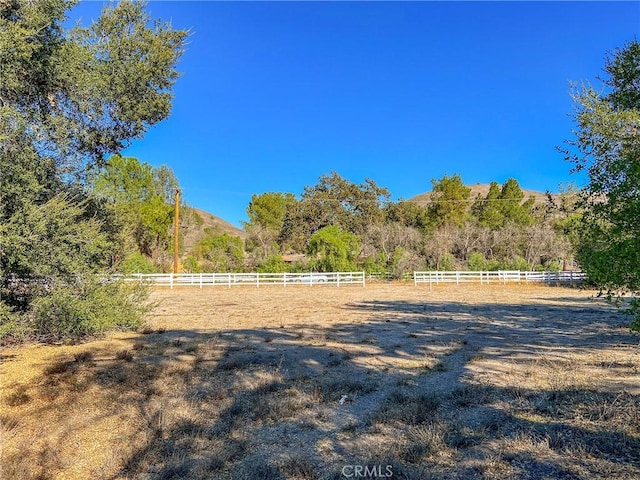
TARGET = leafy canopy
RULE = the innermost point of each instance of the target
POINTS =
(607, 147)
(69, 98)
(333, 249)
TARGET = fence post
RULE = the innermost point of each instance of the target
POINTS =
(257, 279)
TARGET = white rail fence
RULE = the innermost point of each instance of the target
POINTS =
(350, 278)
(500, 276)
(256, 279)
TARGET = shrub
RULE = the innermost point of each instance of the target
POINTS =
(89, 307)
(273, 264)
(448, 262)
(477, 262)
(12, 326)
(191, 265)
(138, 263)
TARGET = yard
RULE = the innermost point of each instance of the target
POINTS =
(385, 381)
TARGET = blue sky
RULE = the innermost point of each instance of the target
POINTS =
(275, 94)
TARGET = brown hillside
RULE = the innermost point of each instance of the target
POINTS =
(203, 223)
(482, 189)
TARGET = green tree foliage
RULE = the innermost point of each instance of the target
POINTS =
(266, 214)
(401, 236)
(268, 210)
(51, 240)
(140, 197)
(487, 210)
(449, 201)
(333, 201)
(137, 263)
(86, 92)
(274, 264)
(513, 211)
(333, 249)
(502, 205)
(68, 99)
(409, 214)
(220, 253)
(607, 147)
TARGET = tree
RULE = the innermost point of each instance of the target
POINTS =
(407, 213)
(382, 244)
(82, 94)
(269, 209)
(607, 147)
(512, 210)
(266, 214)
(333, 201)
(503, 205)
(333, 249)
(68, 100)
(140, 197)
(449, 201)
(487, 210)
(221, 253)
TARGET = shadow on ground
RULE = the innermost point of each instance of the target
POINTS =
(421, 389)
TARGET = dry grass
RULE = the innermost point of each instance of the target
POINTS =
(481, 382)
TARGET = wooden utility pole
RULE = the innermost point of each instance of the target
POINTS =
(176, 238)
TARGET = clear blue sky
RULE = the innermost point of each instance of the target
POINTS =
(274, 94)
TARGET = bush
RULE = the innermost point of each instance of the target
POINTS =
(552, 266)
(138, 263)
(89, 307)
(516, 263)
(274, 264)
(448, 263)
(12, 326)
(191, 265)
(375, 264)
(477, 262)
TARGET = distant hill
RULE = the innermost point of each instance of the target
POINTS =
(203, 224)
(482, 189)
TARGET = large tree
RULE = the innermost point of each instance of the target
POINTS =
(266, 214)
(503, 205)
(69, 98)
(333, 201)
(140, 197)
(449, 201)
(607, 147)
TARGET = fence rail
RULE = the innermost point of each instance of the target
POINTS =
(500, 276)
(256, 279)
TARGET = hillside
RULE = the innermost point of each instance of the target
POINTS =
(482, 189)
(203, 224)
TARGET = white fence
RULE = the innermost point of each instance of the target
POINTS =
(500, 276)
(256, 279)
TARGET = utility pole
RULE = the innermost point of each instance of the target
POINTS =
(176, 238)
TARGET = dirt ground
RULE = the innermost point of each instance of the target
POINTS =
(490, 381)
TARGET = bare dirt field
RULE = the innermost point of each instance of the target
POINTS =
(386, 381)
